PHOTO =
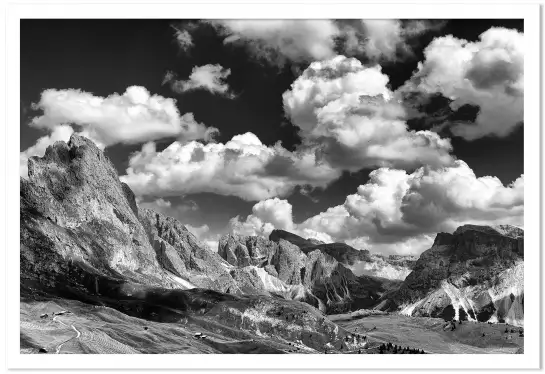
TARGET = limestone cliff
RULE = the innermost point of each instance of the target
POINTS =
(475, 273)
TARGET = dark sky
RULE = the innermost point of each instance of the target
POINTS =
(107, 56)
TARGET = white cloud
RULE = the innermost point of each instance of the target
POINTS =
(266, 215)
(397, 212)
(378, 39)
(178, 210)
(208, 77)
(445, 198)
(386, 39)
(278, 41)
(198, 231)
(298, 41)
(59, 133)
(488, 73)
(242, 167)
(404, 246)
(348, 111)
(384, 36)
(136, 116)
(183, 38)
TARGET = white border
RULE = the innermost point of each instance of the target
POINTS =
(243, 9)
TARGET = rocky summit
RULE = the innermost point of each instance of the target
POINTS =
(131, 280)
(475, 274)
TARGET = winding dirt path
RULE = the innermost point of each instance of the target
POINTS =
(78, 334)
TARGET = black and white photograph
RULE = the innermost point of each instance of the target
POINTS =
(273, 186)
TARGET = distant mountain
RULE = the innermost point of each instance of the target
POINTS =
(317, 273)
(361, 262)
(476, 273)
(341, 252)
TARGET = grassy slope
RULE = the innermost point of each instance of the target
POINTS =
(428, 334)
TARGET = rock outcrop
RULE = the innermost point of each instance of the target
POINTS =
(240, 250)
(179, 252)
(475, 273)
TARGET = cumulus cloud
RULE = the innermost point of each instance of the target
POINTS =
(488, 73)
(348, 111)
(242, 167)
(398, 212)
(266, 215)
(386, 39)
(278, 41)
(136, 116)
(414, 245)
(208, 77)
(59, 133)
(299, 41)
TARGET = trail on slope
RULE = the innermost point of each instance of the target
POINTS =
(78, 334)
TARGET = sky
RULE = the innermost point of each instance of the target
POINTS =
(376, 133)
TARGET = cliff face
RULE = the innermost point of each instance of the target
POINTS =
(475, 273)
(74, 210)
(78, 218)
(239, 250)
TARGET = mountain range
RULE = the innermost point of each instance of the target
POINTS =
(84, 238)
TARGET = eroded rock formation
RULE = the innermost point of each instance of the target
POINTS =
(475, 273)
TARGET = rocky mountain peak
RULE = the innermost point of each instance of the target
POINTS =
(75, 210)
(464, 273)
(277, 235)
(341, 252)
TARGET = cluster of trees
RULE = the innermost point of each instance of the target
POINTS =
(521, 332)
(395, 349)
